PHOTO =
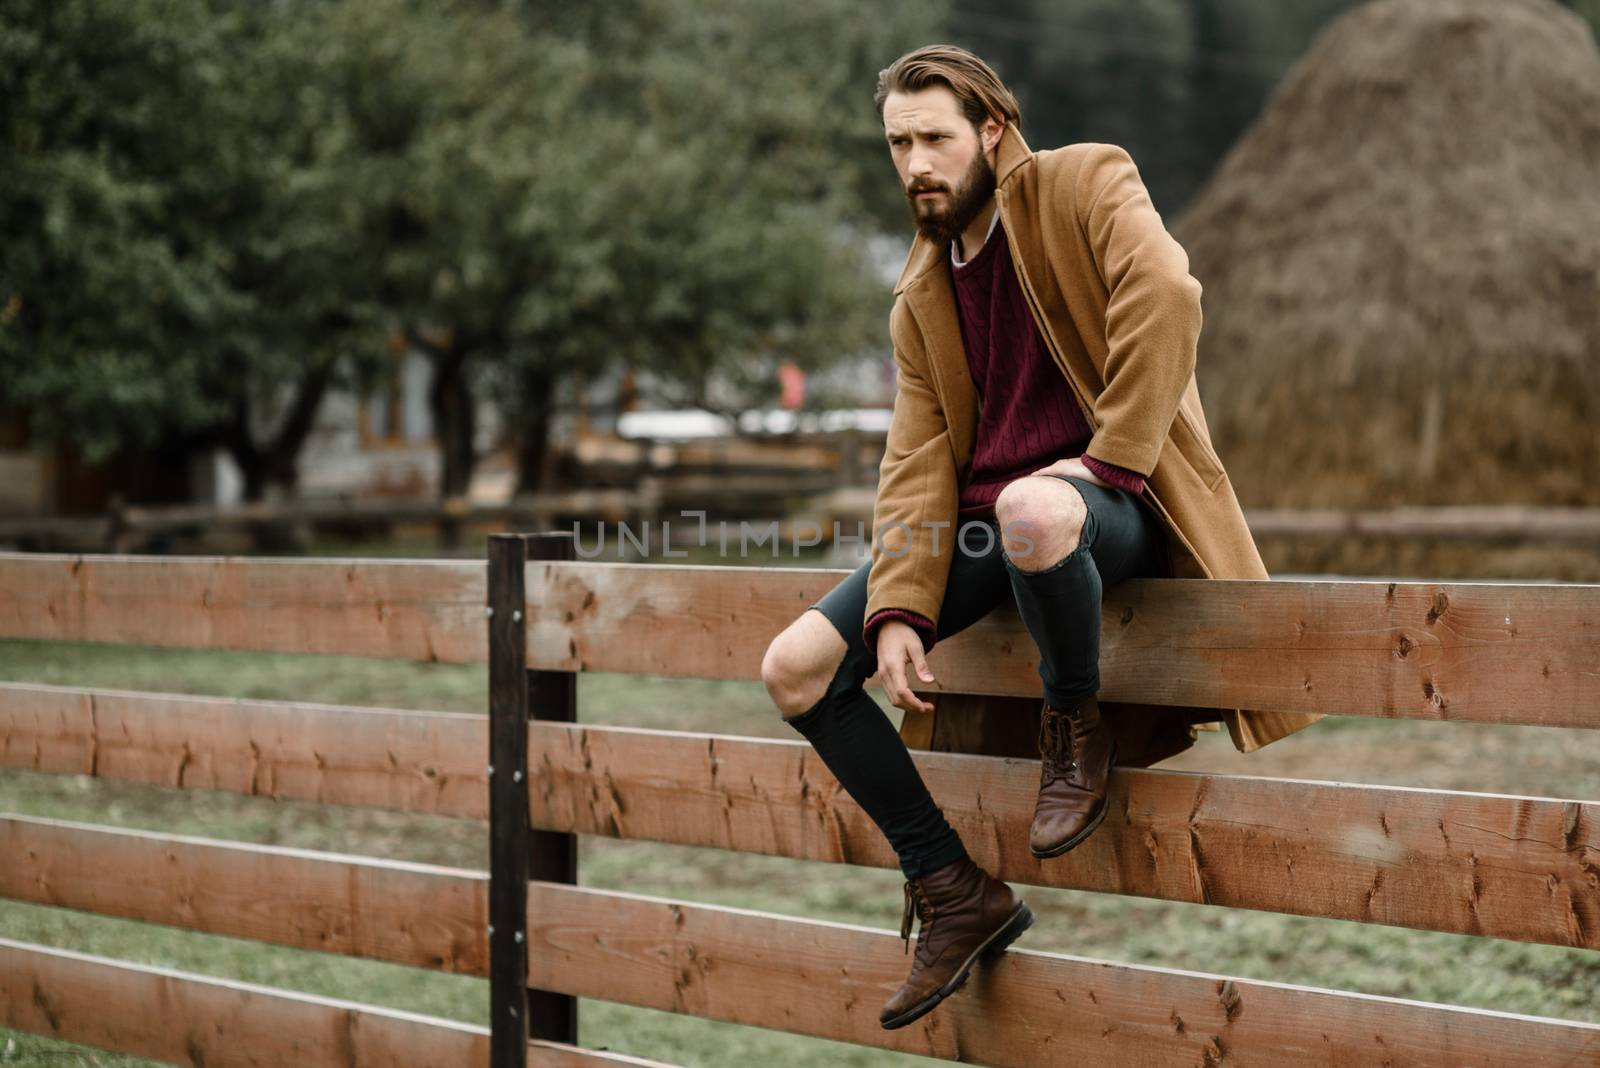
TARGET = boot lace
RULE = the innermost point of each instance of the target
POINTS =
(916, 903)
(1055, 743)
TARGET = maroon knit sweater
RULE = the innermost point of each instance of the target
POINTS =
(1028, 417)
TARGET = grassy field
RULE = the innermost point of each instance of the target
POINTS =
(1468, 971)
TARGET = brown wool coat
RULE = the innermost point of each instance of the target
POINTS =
(1112, 294)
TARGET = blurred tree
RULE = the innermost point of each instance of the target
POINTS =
(184, 230)
(674, 187)
(305, 241)
(115, 300)
(683, 189)
(1589, 9)
(1173, 81)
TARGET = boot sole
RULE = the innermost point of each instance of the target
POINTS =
(1056, 851)
(1007, 933)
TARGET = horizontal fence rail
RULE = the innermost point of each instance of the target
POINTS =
(1023, 1009)
(1481, 652)
(429, 762)
(183, 1018)
(1445, 523)
(1520, 868)
(403, 913)
(429, 610)
(1484, 652)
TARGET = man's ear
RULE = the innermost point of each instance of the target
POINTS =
(992, 129)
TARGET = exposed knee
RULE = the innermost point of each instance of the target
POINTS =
(1041, 520)
(796, 672)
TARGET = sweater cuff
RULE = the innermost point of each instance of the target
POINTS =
(918, 622)
(1120, 477)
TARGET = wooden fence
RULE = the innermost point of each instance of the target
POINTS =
(1519, 868)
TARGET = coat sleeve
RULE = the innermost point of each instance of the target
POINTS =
(916, 486)
(1152, 311)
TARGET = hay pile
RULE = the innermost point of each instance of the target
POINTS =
(1401, 265)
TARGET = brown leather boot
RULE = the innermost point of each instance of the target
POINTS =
(1076, 751)
(965, 913)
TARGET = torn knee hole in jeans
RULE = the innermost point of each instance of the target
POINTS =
(808, 714)
(1081, 547)
(1088, 530)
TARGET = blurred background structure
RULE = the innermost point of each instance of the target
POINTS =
(364, 265)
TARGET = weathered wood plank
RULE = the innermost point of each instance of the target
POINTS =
(1024, 1009)
(1523, 868)
(187, 1019)
(406, 609)
(543, 1053)
(429, 762)
(1487, 652)
(418, 914)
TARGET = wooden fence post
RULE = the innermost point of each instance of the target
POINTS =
(509, 834)
(517, 853)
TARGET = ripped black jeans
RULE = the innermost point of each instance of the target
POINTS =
(1121, 538)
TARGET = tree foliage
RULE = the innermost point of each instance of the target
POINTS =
(188, 253)
(680, 189)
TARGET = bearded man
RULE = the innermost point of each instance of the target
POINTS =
(1045, 330)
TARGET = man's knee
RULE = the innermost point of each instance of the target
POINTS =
(801, 662)
(1048, 512)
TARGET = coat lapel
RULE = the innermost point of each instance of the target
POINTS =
(926, 288)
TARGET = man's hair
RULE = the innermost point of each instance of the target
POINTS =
(978, 89)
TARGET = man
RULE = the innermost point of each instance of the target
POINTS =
(1047, 442)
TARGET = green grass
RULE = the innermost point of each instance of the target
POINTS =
(1541, 980)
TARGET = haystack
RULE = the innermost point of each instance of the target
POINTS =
(1401, 266)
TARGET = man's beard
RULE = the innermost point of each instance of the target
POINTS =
(946, 224)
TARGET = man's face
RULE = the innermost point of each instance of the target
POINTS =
(943, 165)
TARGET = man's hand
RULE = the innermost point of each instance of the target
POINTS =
(1074, 467)
(897, 644)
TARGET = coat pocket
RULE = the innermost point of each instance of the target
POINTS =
(1197, 450)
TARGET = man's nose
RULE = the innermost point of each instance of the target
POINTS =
(919, 164)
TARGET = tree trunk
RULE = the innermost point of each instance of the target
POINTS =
(246, 453)
(283, 454)
(533, 427)
(454, 420)
(275, 463)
